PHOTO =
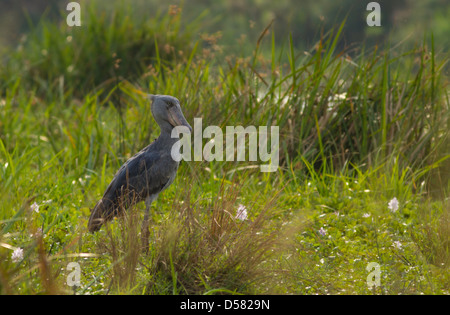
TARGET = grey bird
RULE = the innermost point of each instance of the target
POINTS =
(145, 175)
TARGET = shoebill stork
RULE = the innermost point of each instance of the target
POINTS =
(145, 175)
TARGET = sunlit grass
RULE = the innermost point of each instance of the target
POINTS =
(355, 133)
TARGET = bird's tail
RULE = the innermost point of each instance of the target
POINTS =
(99, 215)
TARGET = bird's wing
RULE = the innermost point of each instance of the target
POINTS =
(146, 173)
(143, 174)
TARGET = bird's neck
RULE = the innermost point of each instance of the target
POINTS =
(166, 137)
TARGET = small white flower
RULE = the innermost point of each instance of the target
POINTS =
(17, 255)
(322, 231)
(393, 205)
(397, 245)
(241, 213)
(366, 215)
(35, 207)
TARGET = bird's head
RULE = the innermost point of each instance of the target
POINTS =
(167, 112)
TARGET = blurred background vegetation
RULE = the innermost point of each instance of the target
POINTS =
(241, 22)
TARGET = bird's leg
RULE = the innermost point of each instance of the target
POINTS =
(145, 234)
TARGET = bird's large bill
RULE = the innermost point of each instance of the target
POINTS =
(176, 118)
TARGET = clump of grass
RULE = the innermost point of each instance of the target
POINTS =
(122, 242)
(360, 107)
(200, 247)
(209, 249)
(432, 235)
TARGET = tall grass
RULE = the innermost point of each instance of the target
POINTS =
(199, 248)
(327, 104)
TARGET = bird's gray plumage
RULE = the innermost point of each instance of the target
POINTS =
(148, 172)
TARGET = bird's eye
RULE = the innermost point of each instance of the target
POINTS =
(169, 104)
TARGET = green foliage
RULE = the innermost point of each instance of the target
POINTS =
(355, 132)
